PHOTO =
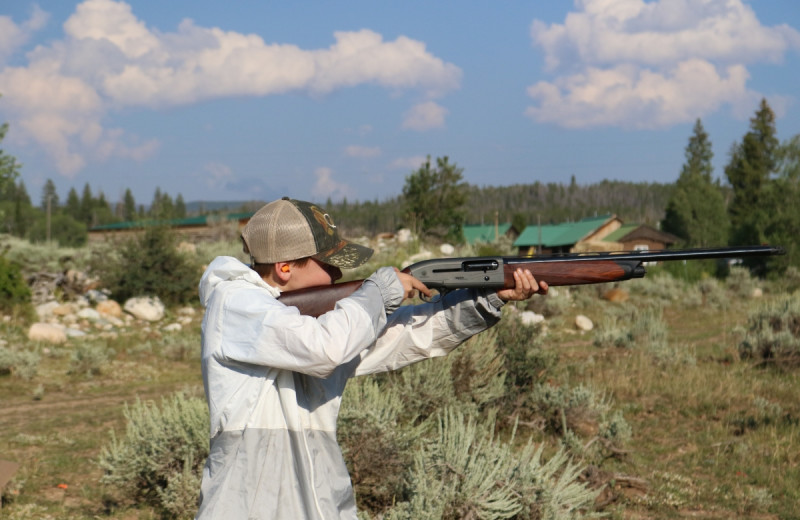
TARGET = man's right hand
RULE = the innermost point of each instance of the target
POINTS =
(411, 285)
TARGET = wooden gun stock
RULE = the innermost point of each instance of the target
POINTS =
(447, 274)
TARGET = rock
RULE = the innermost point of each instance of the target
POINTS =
(114, 321)
(187, 248)
(74, 333)
(531, 318)
(403, 236)
(187, 311)
(89, 314)
(96, 296)
(145, 308)
(757, 292)
(47, 332)
(583, 323)
(173, 327)
(447, 249)
(616, 295)
(45, 309)
(109, 308)
(63, 310)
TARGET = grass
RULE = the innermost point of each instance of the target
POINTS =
(716, 437)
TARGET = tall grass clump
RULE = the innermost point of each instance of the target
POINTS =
(526, 361)
(19, 363)
(89, 358)
(629, 326)
(465, 471)
(644, 328)
(772, 334)
(584, 420)
(378, 442)
(740, 282)
(159, 460)
(470, 379)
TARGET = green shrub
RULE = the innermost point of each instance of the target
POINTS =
(20, 363)
(88, 359)
(159, 460)
(13, 289)
(712, 294)
(465, 471)
(577, 414)
(469, 378)
(526, 361)
(149, 264)
(740, 282)
(772, 334)
(64, 230)
(377, 445)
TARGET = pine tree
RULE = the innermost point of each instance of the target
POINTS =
(73, 205)
(781, 196)
(696, 209)
(9, 167)
(180, 207)
(87, 206)
(49, 196)
(129, 206)
(751, 164)
(434, 199)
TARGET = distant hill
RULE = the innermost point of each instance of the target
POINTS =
(524, 204)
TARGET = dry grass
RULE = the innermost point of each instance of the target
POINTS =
(717, 438)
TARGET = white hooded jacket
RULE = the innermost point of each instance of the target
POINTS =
(274, 380)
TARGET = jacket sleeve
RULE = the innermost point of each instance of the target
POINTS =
(255, 328)
(417, 332)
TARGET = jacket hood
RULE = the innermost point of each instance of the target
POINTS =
(228, 269)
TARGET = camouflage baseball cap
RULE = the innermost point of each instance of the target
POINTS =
(289, 229)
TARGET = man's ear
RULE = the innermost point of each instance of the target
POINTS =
(283, 271)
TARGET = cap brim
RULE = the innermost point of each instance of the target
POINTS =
(346, 255)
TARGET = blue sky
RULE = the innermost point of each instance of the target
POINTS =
(256, 100)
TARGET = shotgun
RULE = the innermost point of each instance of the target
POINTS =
(447, 274)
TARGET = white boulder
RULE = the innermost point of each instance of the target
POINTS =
(147, 308)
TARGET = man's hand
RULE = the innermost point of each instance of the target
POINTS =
(526, 286)
(411, 285)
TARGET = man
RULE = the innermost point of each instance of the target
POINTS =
(274, 378)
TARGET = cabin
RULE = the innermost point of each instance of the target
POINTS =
(641, 237)
(567, 237)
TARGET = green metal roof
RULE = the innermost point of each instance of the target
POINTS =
(201, 220)
(484, 233)
(555, 235)
(615, 236)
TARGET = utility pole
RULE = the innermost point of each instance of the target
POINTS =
(49, 197)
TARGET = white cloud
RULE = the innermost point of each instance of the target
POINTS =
(425, 116)
(651, 64)
(325, 186)
(12, 36)
(408, 163)
(362, 151)
(62, 114)
(109, 59)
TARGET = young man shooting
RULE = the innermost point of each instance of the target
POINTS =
(274, 378)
